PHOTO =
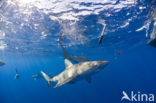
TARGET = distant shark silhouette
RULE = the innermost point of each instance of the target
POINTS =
(76, 59)
(2, 63)
(152, 41)
(37, 76)
(17, 75)
(75, 72)
(125, 96)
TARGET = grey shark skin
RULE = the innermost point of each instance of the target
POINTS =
(76, 59)
(76, 72)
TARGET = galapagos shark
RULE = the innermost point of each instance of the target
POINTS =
(17, 74)
(75, 72)
(76, 59)
(2, 63)
(152, 40)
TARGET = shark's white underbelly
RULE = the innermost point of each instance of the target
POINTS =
(84, 75)
(75, 74)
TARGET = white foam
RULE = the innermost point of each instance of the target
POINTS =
(65, 8)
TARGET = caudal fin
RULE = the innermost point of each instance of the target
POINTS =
(46, 77)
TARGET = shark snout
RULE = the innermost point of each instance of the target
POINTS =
(100, 63)
(104, 62)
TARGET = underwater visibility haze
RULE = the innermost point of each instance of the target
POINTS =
(77, 51)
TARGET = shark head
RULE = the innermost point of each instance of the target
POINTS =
(97, 65)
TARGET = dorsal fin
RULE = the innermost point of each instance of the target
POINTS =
(67, 63)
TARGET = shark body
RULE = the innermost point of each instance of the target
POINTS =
(76, 72)
(152, 40)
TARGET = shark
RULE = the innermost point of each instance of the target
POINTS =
(152, 40)
(17, 75)
(75, 72)
(2, 63)
(75, 59)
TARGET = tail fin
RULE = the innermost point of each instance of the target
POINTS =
(46, 77)
(64, 51)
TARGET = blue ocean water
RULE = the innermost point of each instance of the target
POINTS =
(29, 43)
